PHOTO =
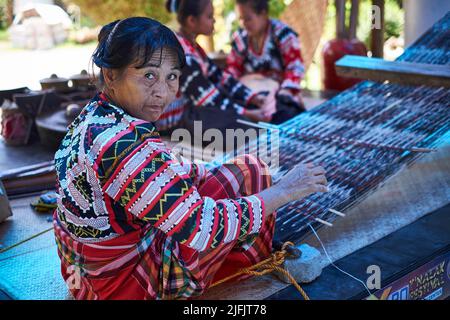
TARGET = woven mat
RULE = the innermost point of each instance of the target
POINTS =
(32, 270)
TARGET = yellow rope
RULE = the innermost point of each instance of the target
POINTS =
(2, 250)
(266, 266)
(273, 263)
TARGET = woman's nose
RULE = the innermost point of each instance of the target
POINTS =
(160, 90)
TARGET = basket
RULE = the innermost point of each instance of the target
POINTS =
(307, 18)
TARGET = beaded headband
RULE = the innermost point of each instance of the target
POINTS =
(108, 41)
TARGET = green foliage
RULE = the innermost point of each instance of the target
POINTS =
(2, 14)
(85, 21)
(3, 35)
(276, 7)
(105, 11)
(394, 20)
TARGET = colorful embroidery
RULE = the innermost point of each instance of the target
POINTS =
(280, 57)
(128, 208)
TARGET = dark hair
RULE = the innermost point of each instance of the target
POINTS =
(134, 40)
(186, 8)
(257, 5)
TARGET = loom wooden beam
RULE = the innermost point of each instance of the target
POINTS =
(394, 71)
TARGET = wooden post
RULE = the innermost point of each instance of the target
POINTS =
(354, 19)
(209, 43)
(340, 19)
(377, 38)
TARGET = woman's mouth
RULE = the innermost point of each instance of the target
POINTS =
(154, 107)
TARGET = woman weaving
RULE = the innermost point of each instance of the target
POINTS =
(132, 220)
(266, 52)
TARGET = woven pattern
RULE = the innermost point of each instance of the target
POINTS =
(30, 271)
(307, 18)
(364, 136)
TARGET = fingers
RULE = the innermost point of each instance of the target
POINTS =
(313, 170)
(321, 188)
(318, 171)
(320, 179)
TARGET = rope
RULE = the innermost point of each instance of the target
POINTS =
(25, 240)
(273, 263)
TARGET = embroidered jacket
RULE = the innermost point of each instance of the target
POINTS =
(127, 208)
(280, 57)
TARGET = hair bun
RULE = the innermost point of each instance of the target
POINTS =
(172, 5)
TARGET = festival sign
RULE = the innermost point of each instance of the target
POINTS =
(429, 282)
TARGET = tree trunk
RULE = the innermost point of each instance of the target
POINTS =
(9, 12)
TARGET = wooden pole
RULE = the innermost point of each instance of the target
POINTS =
(210, 44)
(377, 38)
(340, 19)
(354, 19)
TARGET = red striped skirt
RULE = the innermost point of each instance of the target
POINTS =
(149, 265)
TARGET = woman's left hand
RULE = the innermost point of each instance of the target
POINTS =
(296, 96)
(259, 100)
(257, 115)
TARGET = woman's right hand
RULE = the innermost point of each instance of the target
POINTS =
(299, 182)
(303, 180)
(257, 115)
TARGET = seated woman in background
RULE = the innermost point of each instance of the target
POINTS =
(132, 221)
(269, 48)
(207, 93)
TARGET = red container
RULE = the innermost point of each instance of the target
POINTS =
(332, 51)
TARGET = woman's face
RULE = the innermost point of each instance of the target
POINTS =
(204, 23)
(145, 92)
(254, 23)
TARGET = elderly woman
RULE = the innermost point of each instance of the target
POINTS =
(132, 221)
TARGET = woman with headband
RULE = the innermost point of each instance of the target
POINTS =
(133, 222)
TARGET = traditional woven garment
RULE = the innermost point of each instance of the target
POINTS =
(204, 85)
(135, 223)
(362, 137)
(280, 57)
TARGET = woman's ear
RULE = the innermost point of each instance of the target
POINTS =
(108, 76)
(191, 22)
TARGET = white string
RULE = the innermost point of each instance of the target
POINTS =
(332, 263)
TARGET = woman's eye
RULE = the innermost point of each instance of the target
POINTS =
(150, 76)
(172, 77)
